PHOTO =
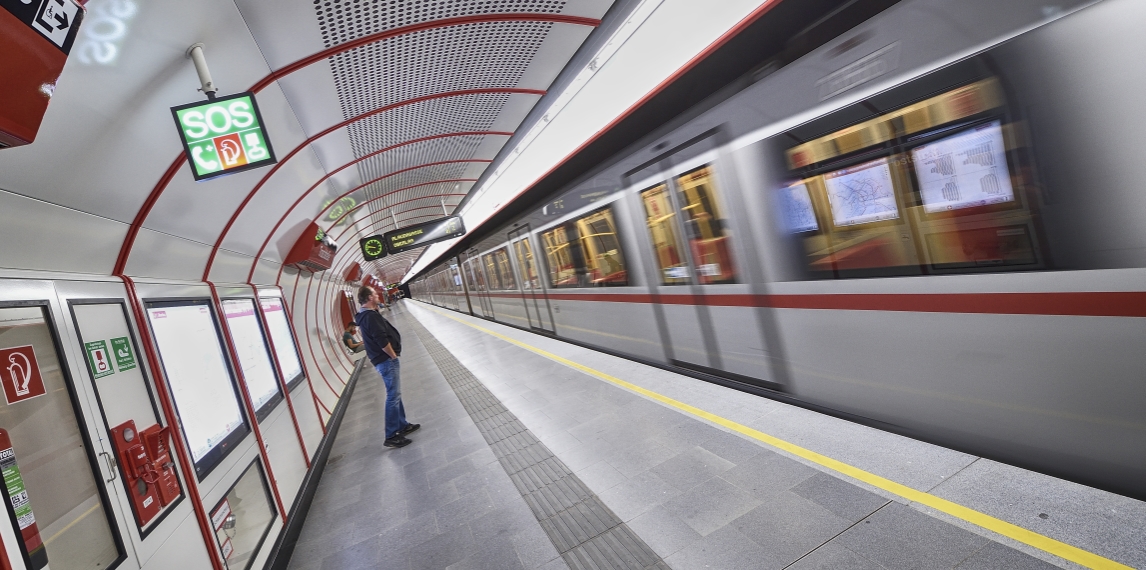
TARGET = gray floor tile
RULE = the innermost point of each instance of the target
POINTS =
(845, 499)
(361, 556)
(711, 505)
(832, 556)
(731, 447)
(767, 474)
(442, 550)
(691, 467)
(899, 537)
(601, 476)
(787, 527)
(494, 554)
(995, 555)
(534, 549)
(724, 549)
(637, 495)
(663, 531)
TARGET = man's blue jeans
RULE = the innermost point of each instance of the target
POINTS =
(395, 413)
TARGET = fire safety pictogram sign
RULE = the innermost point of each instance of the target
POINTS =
(20, 374)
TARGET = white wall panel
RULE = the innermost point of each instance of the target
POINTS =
(285, 452)
(272, 200)
(39, 235)
(183, 549)
(167, 257)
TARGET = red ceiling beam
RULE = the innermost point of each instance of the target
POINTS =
(149, 203)
(282, 219)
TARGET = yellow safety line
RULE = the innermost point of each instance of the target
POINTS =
(73, 523)
(1012, 531)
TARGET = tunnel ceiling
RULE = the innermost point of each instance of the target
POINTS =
(382, 113)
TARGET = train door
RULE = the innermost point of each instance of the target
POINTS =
(482, 284)
(685, 325)
(61, 492)
(457, 289)
(532, 292)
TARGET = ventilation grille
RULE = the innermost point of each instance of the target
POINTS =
(428, 118)
(343, 20)
(467, 56)
(435, 150)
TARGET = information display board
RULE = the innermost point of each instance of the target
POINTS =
(964, 170)
(201, 382)
(254, 355)
(373, 247)
(411, 237)
(279, 327)
(796, 209)
(862, 194)
(223, 135)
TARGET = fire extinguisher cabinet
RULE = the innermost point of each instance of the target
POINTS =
(313, 252)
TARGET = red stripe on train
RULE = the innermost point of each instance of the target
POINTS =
(1093, 304)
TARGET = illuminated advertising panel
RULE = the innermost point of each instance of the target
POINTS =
(223, 135)
(418, 235)
(373, 247)
(281, 335)
(862, 194)
(201, 382)
(254, 355)
(965, 170)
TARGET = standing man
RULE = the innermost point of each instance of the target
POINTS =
(383, 346)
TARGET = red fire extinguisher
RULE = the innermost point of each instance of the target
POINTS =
(18, 495)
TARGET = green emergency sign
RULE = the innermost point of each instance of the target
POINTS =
(223, 135)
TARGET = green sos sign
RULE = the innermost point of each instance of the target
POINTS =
(223, 135)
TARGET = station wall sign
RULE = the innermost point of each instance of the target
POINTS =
(223, 136)
(418, 235)
(373, 247)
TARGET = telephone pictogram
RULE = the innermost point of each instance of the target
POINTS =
(148, 471)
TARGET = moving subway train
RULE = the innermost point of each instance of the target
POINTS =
(938, 232)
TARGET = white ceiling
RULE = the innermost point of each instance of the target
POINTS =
(341, 122)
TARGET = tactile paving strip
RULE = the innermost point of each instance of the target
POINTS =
(586, 533)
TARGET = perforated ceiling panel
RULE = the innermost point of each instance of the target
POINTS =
(435, 61)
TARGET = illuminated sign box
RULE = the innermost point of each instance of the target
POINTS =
(223, 136)
(373, 247)
(415, 236)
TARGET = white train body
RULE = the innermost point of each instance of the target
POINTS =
(938, 229)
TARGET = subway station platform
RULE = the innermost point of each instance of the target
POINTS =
(535, 453)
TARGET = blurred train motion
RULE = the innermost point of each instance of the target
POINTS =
(938, 230)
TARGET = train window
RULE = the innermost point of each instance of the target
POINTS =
(504, 269)
(491, 271)
(662, 230)
(45, 456)
(585, 252)
(706, 229)
(928, 188)
(525, 260)
(601, 249)
(559, 254)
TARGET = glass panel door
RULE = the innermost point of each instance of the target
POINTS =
(52, 485)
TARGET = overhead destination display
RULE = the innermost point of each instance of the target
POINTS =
(223, 136)
(964, 170)
(373, 247)
(411, 237)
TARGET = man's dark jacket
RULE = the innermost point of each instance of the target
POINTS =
(377, 332)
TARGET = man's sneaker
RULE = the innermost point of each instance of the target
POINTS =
(397, 441)
(410, 428)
